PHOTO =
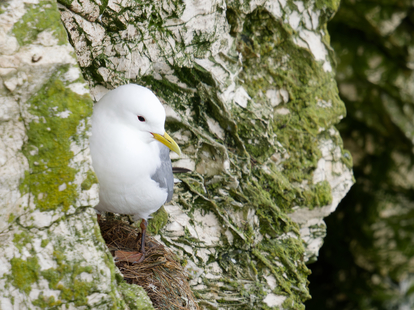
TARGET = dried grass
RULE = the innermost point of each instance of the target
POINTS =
(160, 273)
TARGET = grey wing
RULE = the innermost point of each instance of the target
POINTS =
(164, 175)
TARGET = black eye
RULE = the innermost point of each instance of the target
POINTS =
(141, 119)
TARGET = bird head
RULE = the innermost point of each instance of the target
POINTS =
(137, 107)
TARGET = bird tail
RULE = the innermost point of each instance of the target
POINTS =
(180, 170)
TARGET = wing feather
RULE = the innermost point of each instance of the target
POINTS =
(164, 174)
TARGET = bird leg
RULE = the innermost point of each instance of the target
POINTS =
(134, 257)
(143, 231)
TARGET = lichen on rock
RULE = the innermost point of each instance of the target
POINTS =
(374, 54)
(251, 98)
(52, 253)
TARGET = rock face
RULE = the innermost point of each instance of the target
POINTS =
(51, 250)
(375, 52)
(250, 97)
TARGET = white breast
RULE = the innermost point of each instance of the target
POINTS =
(124, 165)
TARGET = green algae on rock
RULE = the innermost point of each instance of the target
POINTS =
(374, 47)
(52, 252)
(251, 98)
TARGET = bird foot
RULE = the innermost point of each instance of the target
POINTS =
(130, 257)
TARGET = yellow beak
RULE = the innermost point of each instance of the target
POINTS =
(168, 142)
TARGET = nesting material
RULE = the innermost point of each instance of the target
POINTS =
(160, 273)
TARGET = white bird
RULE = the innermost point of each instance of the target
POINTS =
(130, 153)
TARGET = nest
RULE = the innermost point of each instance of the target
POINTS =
(160, 273)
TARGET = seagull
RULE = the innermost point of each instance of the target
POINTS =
(130, 154)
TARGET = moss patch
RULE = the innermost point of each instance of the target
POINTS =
(261, 184)
(44, 243)
(48, 149)
(135, 297)
(24, 273)
(72, 289)
(46, 302)
(34, 22)
(159, 220)
(375, 81)
(89, 180)
(20, 240)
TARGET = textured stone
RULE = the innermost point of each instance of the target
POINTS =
(251, 98)
(371, 236)
(52, 254)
